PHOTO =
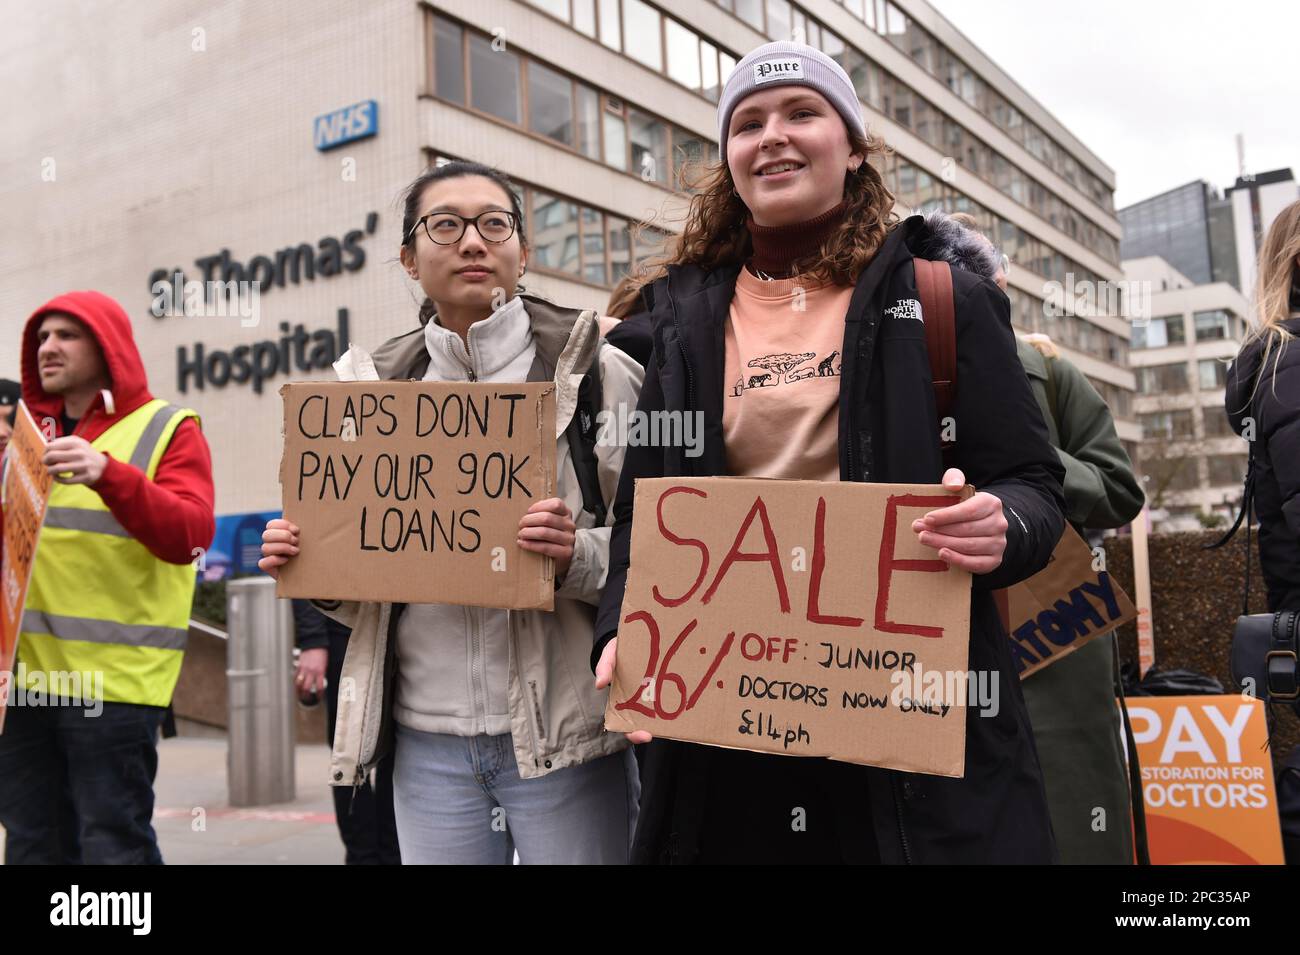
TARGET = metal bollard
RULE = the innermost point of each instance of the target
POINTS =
(259, 661)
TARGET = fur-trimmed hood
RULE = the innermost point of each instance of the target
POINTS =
(946, 240)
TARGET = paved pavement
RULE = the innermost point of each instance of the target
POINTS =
(197, 825)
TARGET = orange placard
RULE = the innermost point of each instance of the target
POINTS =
(1207, 780)
(25, 492)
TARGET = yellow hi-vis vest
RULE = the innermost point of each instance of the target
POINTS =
(99, 601)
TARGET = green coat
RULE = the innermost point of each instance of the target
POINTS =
(1100, 488)
(1071, 703)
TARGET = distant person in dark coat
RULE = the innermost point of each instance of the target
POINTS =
(365, 814)
(1262, 397)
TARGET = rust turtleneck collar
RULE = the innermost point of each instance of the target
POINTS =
(777, 247)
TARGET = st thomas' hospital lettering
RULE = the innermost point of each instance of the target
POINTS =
(224, 289)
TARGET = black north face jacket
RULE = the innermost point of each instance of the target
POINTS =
(889, 433)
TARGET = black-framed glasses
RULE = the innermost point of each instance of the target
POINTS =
(446, 228)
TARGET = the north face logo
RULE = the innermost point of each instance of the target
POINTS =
(906, 308)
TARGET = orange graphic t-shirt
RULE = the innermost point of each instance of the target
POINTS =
(780, 409)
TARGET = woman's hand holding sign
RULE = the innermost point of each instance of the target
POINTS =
(279, 543)
(972, 534)
(548, 529)
(605, 675)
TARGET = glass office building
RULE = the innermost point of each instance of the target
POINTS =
(1190, 227)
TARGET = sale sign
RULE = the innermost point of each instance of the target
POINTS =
(25, 492)
(795, 617)
(1207, 780)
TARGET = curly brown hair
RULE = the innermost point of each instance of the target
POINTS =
(715, 234)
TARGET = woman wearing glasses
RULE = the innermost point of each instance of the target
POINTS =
(498, 734)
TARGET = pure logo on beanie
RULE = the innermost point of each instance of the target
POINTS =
(794, 64)
(773, 70)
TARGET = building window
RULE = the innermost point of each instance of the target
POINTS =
(611, 25)
(1212, 326)
(593, 247)
(449, 61)
(1159, 332)
(620, 248)
(1163, 379)
(494, 79)
(572, 113)
(709, 71)
(584, 17)
(641, 34)
(555, 233)
(778, 19)
(556, 8)
(1217, 424)
(894, 25)
(690, 155)
(647, 243)
(1226, 469)
(576, 240)
(550, 103)
(1168, 425)
(615, 134)
(856, 65)
(649, 139)
(751, 11)
(726, 63)
(588, 106)
(1212, 373)
(1179, 474)
(683, 54)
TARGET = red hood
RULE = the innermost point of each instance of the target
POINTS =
(109, 324)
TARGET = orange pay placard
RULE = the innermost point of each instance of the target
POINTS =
(25, 495)
(1207, 780)
(796, 617)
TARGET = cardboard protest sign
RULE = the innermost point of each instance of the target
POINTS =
(25, 494)
(1207, 780)
(795, 617)
(412, 491)
(1063, 606)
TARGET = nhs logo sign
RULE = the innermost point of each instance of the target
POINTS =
(345, 125)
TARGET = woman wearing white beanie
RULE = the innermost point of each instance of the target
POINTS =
(791, 246)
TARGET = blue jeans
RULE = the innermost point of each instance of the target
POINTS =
(459, 800)
(77, 788)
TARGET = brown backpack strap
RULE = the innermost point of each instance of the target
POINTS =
(934, 286)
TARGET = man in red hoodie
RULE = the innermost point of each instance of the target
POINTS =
(104, 627)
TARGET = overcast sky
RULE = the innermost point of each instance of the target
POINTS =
(1158, 89)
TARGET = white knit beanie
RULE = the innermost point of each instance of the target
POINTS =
(789, 64)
